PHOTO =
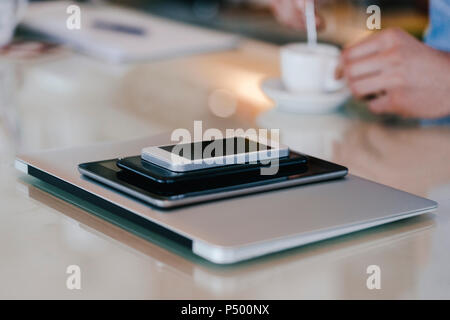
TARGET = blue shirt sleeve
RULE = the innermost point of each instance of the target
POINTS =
(438, 35)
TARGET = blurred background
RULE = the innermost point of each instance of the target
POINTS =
(78, 91)
(253, 18)
(60, 97)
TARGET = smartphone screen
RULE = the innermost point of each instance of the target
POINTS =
(215, 148)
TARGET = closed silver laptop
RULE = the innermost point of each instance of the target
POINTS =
(235, 229)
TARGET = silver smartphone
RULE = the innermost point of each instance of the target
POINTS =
(184, 157)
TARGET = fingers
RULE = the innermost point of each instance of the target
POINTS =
(296, 20)
(376, 43)
(386, 61)
(381, 104)
(301, 7)
(287, 13)
(389, 103)
(291, 14)
(364, 68)
(320, 22)
(362, 49)
(374, 85)
(373, 69)
(339, 72)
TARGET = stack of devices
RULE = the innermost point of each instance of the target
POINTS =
(179, 174)
(170, 175)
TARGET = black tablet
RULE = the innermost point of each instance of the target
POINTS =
(136, 164)
(172, 195)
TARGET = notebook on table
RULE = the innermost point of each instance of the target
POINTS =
(122, 35)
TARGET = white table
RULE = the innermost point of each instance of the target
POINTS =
(72, 100)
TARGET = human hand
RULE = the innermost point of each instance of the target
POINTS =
(400, 74)
(292, 14)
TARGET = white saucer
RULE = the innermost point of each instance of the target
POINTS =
(305, 102)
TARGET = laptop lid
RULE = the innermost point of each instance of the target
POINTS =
(231, 230)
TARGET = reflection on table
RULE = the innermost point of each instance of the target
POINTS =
(336, 266)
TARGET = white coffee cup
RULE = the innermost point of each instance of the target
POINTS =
(11, 12)
(305, 69)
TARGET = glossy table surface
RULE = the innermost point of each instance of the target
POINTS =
(70, 100)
